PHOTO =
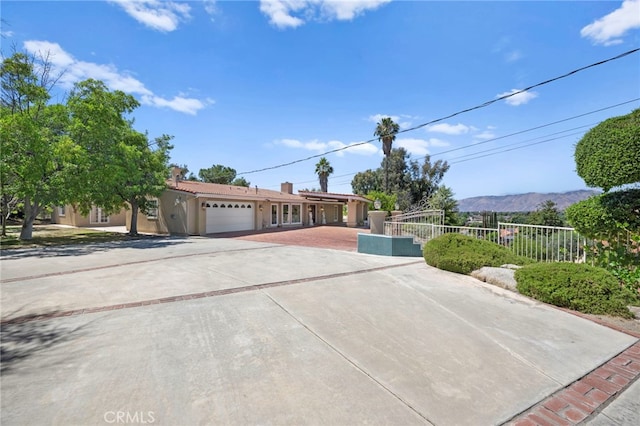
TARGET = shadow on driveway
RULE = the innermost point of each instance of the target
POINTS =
(143, 242)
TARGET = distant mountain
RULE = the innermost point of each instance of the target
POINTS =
(522, 202)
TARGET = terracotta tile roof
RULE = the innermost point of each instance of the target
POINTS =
(212, 190)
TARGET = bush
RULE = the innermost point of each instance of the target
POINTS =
(463, 254)
(580, 287)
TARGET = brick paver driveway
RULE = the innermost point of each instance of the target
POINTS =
(331, 237)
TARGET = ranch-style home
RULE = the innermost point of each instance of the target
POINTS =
(68, 215)
(199, 208)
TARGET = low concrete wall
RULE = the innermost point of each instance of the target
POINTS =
(388, 246)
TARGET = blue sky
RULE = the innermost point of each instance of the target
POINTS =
(256, 84)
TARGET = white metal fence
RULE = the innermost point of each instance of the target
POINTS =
(542, 243)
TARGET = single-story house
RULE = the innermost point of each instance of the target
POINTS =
(68, 215)
(199, 208)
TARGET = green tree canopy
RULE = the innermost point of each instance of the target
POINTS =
(547, 214)
(609, 154)
(37, 155)
(120, 167)
(606, 216)
(410, 181)
(218, 174)
(241, 182)
(366, 182)
(442, 199)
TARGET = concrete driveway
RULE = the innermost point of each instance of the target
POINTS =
(189, 331)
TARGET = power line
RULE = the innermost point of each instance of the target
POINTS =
(500, 148)
(519, 147)
(537, 127)
(483, 105)
(503, 137)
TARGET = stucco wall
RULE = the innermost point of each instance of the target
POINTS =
(73, 217)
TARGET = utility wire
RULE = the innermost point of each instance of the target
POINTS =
(501, 149)
(535, 128)
(503, 137)
(483, 105)
(513, 149)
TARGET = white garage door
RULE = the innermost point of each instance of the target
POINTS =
(227, 216)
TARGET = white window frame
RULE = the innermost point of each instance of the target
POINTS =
(299, 206)
(287, 214)
(152, 213)
(62, 211)
(336, 210)
(97, 217)
(274, 209)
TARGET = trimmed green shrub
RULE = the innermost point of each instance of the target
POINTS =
(576, 286)
(462, 254)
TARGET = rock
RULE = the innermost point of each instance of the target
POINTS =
(502, 277)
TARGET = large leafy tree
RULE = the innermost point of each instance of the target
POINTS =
(386, 130)
(366, 182)
(442, 199)
(425, 178)
(609, 154)
(37, 154)
(547, 214)
(218, 174)
(410, 181)
(120, 167)
(323, 170)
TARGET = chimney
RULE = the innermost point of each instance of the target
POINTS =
(286, 187)
(176, 174)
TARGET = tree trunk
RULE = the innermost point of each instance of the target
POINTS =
(133, 230)
(386, 146)
(5, 214)
(30, 213)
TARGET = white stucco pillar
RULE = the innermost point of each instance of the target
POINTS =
(376, 221)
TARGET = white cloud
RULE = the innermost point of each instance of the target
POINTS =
(485, 135)
(155, 14)
(317, 146)
(449, 129)
(178, 103)
(6, 33)
(73, 71)
(519, 99)
(210, 7)
(419, 146)
(293, 13)
(608, 29)
(403, 120)
(513, 56)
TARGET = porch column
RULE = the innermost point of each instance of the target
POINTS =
(376, 221)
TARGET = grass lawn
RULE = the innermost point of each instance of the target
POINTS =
(51, 235)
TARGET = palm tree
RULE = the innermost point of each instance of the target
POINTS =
(323, 170)
(386, 130)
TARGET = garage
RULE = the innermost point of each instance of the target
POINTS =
(228, 216)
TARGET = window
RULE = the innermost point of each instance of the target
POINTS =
(152, 209)
(274, 214)
(61, 211)
(335, 213)
(98, 216)
(291, 214)
(295, 213)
